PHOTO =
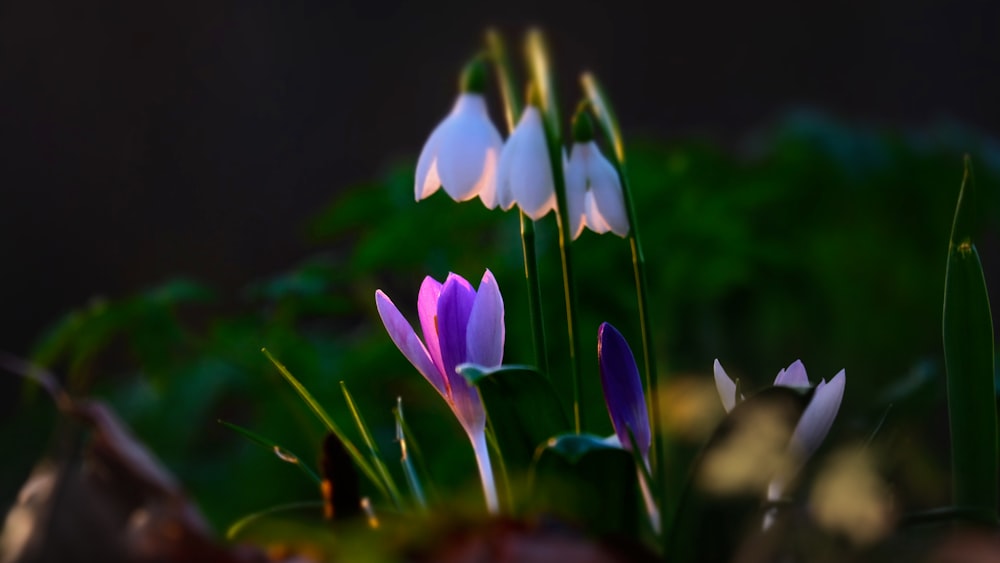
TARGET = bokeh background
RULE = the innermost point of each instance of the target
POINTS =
(186, 182)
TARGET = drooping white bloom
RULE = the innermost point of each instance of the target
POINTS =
(524, 173)
(594, 196)
(461, 154)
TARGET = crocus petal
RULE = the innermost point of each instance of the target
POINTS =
(576, 190)
(453, 309)
(725, 386)
(793, 376)
(404, 337)
(818, 417)
(427, 181)
(427, 309)
(622, 388)
(485, 336)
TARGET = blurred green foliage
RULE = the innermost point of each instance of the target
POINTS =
(813, 240)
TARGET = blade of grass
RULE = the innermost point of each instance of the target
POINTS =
(238, 526)
(373, 449)
(282, 453)
(404, 459)
(322, 415)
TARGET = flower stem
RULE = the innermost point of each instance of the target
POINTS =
(538, 62)
(609, 123)
(482, 452)
(512, 110)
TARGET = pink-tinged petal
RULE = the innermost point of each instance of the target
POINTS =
(576, 190)
(623, 389)
(427, 180)
(530, 170)
(404, 337)
(818, 417)
(504, 192)
(485, 336)
(793, 376)
(468, 141)
(453, 309)
(487, 185)
(594, 219)
(607, 189)
(725, 386)
(427, 307)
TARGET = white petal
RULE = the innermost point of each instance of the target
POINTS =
(530, 171)
(504, 193)
(725, 386)
(594, 219)
(607, 189)
(576, 189)
(818, 417)
(427, 181)
(468, 146)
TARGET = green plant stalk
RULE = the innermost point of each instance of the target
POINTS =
(602, 107)
(243, 522)
(512, 111)
(373, 449)
(324, 417)
(609, 123)
(968, 353)
(538, 63)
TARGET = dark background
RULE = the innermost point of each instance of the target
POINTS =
(141, 140)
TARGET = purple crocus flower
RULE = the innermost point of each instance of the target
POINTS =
(623, 389)
(813, 425)
(459, 325)
(626, 404)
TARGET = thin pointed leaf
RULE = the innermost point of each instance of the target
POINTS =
(373, 449)
(242, 523)
(968, 353)
(522, 408)
(282, 453)
(322, 415)
(404, 459)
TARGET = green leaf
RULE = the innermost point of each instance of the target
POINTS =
(282, 453)
(583, 478)
(968, 353)
(238, 526)
(322, 415)
(373, 449)
(405, 458)
(522, 409)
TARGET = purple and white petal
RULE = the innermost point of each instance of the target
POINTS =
(406, 339)
(793, 376)
(725, 386)
(623, 389)
(427, 307)
(454, 308)
(485, 335)
(818, 417)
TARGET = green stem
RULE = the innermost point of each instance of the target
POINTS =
(609, 123)
(512, 110)
(538, 61)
